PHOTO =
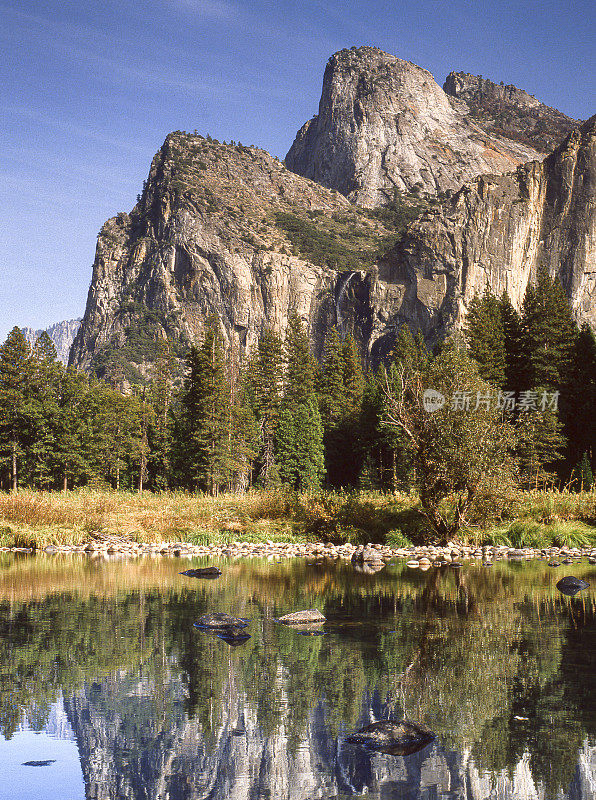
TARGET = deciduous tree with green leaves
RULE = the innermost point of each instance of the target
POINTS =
(461, 449)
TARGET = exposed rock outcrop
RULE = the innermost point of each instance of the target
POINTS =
(498, 230)
(227, 230)
(508, 111)
(219, 230)
(385, 125)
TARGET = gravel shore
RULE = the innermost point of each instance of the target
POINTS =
(371, 555)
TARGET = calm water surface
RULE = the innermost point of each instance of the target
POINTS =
(108, 691)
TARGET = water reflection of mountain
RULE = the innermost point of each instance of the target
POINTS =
(127, 752)
(496, 662)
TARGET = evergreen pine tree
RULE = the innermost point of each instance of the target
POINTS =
(341, 388)
(331, 381)
(580, 399)
(513, 344)
(548, 334)
(15, 385)
(285, 446)
(582, 478)
(245, 443)
(300, 364)
(353, 378)
(204, 444)
(160, 397)
(485, 337)
(72, 457)
(310, 454)
(44, 412)
(539, 444)
(264, 385)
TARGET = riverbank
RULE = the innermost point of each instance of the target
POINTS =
(368, 559)
(201, 524)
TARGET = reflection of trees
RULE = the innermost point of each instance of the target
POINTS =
(465, 652)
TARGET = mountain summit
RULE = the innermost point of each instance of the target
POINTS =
(385, 125)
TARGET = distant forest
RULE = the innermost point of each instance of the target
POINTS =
(282, 419)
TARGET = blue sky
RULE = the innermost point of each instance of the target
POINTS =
(91, 88)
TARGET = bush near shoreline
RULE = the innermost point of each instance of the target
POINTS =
(37, 519)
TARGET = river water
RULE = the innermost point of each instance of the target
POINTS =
(108, 691)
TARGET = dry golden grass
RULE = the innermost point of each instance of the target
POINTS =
(35, 519)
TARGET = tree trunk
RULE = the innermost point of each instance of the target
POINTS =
(13, 446)
(65, 482)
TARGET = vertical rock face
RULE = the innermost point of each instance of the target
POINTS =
(509, 111)
(206, 239)
(384, 125)
(498, 230)
(228, 231)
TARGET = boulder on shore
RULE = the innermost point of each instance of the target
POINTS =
(367, 555)
(394, 738)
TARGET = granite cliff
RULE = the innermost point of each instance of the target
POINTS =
(498, 230)
(385, 125)
(225, 230)
(230, 231)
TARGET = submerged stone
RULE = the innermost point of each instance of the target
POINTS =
(202, 572)
(303, 617)
(368, 567)
(307, 628)
(394, 738)
(217, 619)
(571, 586)
(45, 763)
(233, 636)
(362, 555)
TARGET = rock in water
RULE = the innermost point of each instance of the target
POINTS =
(217, 619)
(233, 636)
(571, 586)
(367, 557)
(313, 615)
(202, 572)
(369, 567)
(45, 763)
(394, 738)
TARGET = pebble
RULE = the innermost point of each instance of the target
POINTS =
(106, 546)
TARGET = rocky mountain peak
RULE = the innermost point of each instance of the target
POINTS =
(505, 110)
(219, 229)
(385, 126)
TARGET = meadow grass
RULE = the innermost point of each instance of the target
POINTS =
(36, 519)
